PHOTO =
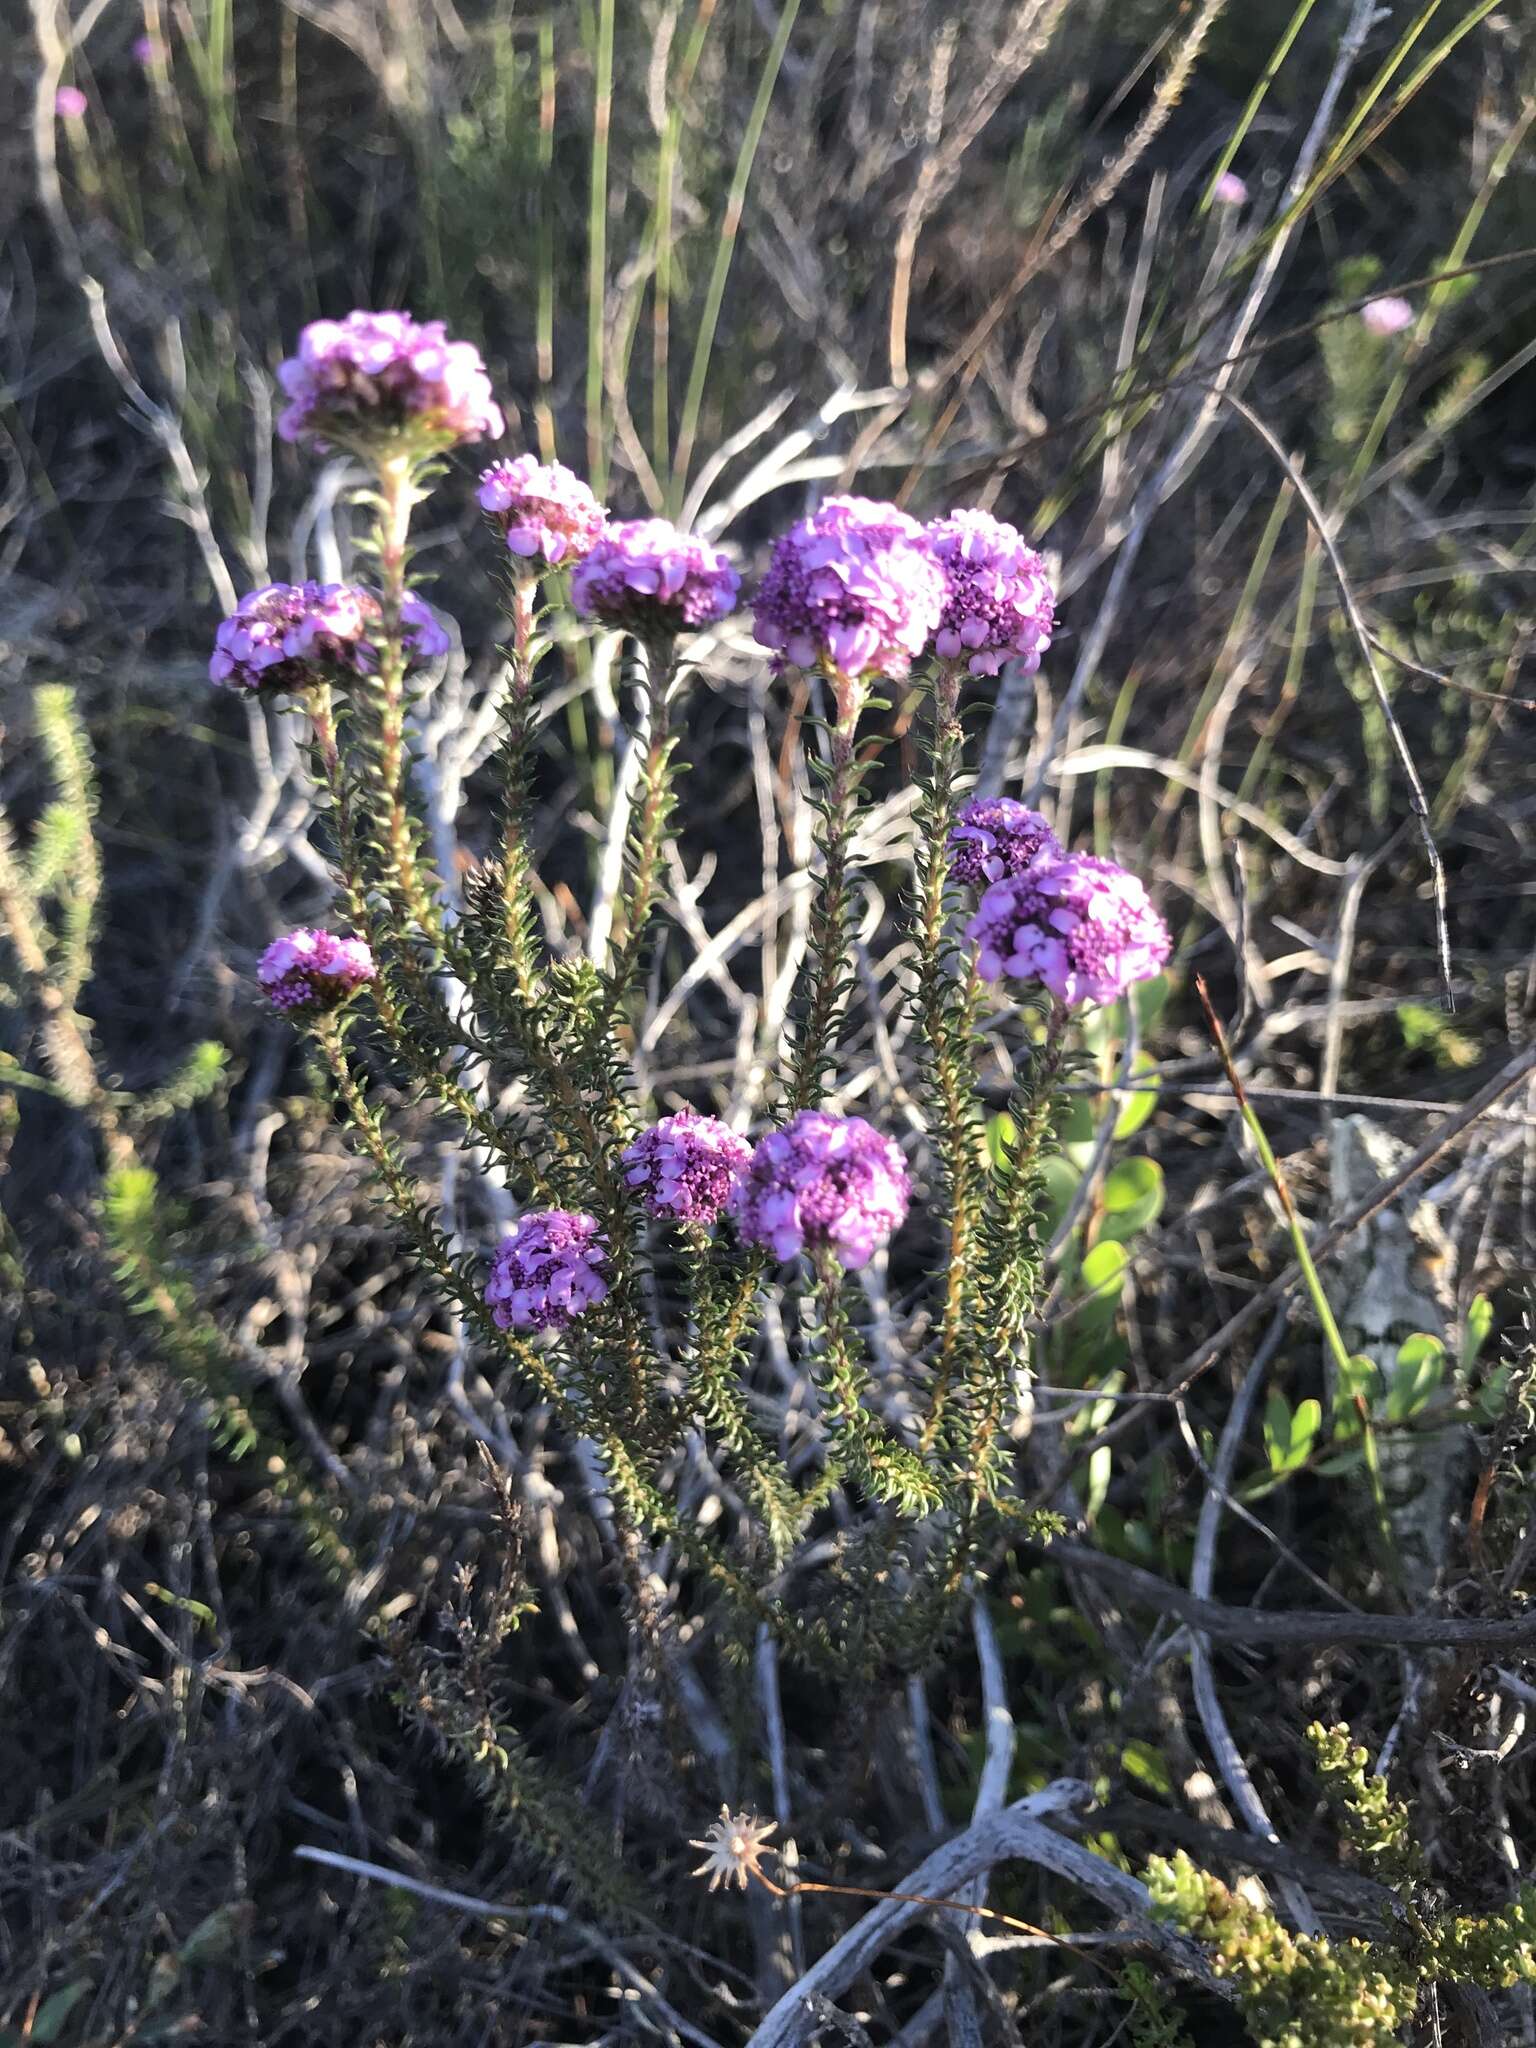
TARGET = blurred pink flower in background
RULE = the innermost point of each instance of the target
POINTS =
(1230, 190)
(1386, 316)
(144, 49)
(70, 103)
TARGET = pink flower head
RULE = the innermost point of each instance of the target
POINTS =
(143, 49)
(854, 588)
(1229, 190)
(686, 1167)
(290, 635)
(824, 1180)
(996, 836)
(547, 1270)
(648, 578)
(1386, 316)
(543, 511)
(1082, 926)
(70, 103)
(1000, 605)
(309, 972)
(381, 383)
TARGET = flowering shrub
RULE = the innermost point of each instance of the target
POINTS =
(573, 1296)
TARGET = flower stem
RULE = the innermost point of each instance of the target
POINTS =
(399, 493)
(815, 1055)
(515, 854)
(643, 864)
(946, 1013)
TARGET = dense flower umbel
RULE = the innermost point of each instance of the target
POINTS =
(381, 380)
(823, 1181)
(290, 635)
(852, 587)
(543, 511)
(647, 577)
(1082, 926)
(994, 836)
(999, 605)
(547, 1271)
(687, 1166)
(308, 972)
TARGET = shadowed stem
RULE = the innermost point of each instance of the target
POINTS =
(886, 1468)
(516, 858)
(656, 798)
(946, 1017)
(399, 493)
(1013, 1267)
(815, 1056)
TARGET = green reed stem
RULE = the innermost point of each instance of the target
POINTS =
(725, 248)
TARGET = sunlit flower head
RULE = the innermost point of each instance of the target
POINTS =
(823, 1182)
(308, 972)
(852, 589)
(288, 636)
(383, 384)
(543, 511)
(687, 1166)
(1230, 190)
(70, 103)
(647, 577)
(547, 1271)
(1085, 928)
(998, 605)
(994, 836)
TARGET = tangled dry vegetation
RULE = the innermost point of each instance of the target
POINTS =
(337, 1706)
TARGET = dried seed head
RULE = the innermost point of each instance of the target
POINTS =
(734, 1848)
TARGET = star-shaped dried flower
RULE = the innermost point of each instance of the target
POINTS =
(734, 1846)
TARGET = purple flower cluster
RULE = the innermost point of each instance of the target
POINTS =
(648, 578)
(544, 511)
(307, 972)
(687, 1166)
(547, 1271)
(823, 1182)
(998, 605)
(289, 635)
(853, 587)
(995, 836)
(1082, 926)
(379, 379)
